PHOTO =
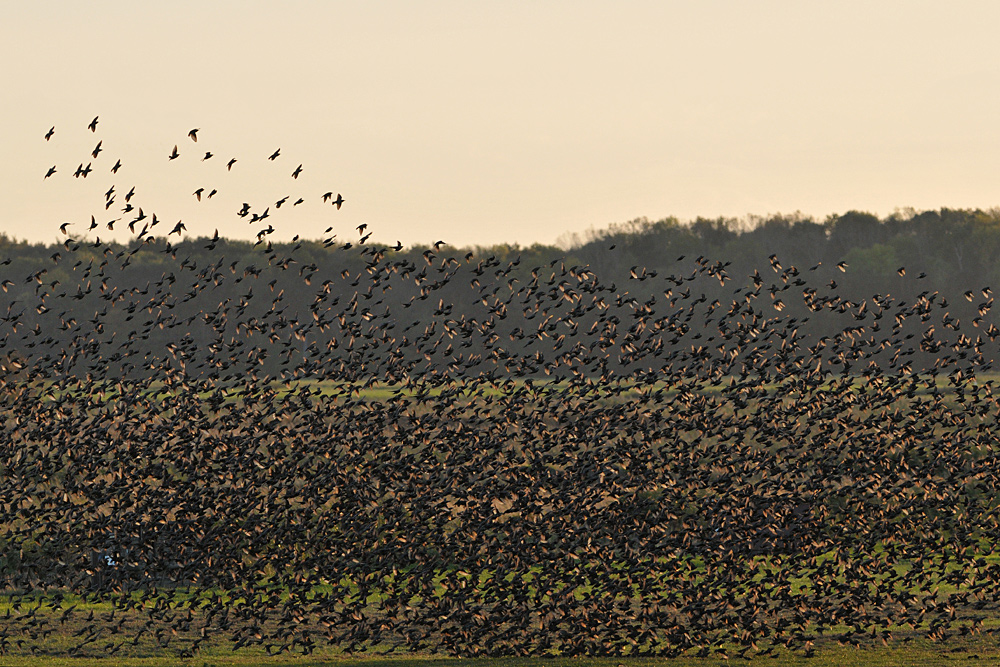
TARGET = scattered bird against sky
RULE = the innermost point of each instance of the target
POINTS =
(604, 113)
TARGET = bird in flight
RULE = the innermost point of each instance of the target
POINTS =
(118, 165)
(338, 201)
(174, 154)
(93, 124)
(51, 171)
(97, 148)
(274, 155)
(48, 135)
(298, 170)
(194, 135)
(229, 165)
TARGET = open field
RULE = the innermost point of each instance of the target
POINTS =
(835, 561)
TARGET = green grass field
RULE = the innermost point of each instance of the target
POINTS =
(976, 652)
(53, 635)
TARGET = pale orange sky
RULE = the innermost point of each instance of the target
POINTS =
(478, 122)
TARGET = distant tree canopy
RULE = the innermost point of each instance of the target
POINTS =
(438, 296)
(953, 247)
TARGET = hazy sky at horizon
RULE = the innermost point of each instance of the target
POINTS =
(490, 122)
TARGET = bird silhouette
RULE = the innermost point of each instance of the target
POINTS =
(277, 446)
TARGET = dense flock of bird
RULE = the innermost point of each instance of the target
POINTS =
(612, 475)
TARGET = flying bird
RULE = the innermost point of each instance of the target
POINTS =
(173, 154)
(274, 155)
(48, 135)
(194, 135)
(93, 124)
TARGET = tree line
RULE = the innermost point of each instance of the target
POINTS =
(210, 305)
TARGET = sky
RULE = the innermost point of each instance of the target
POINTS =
(487, 122)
